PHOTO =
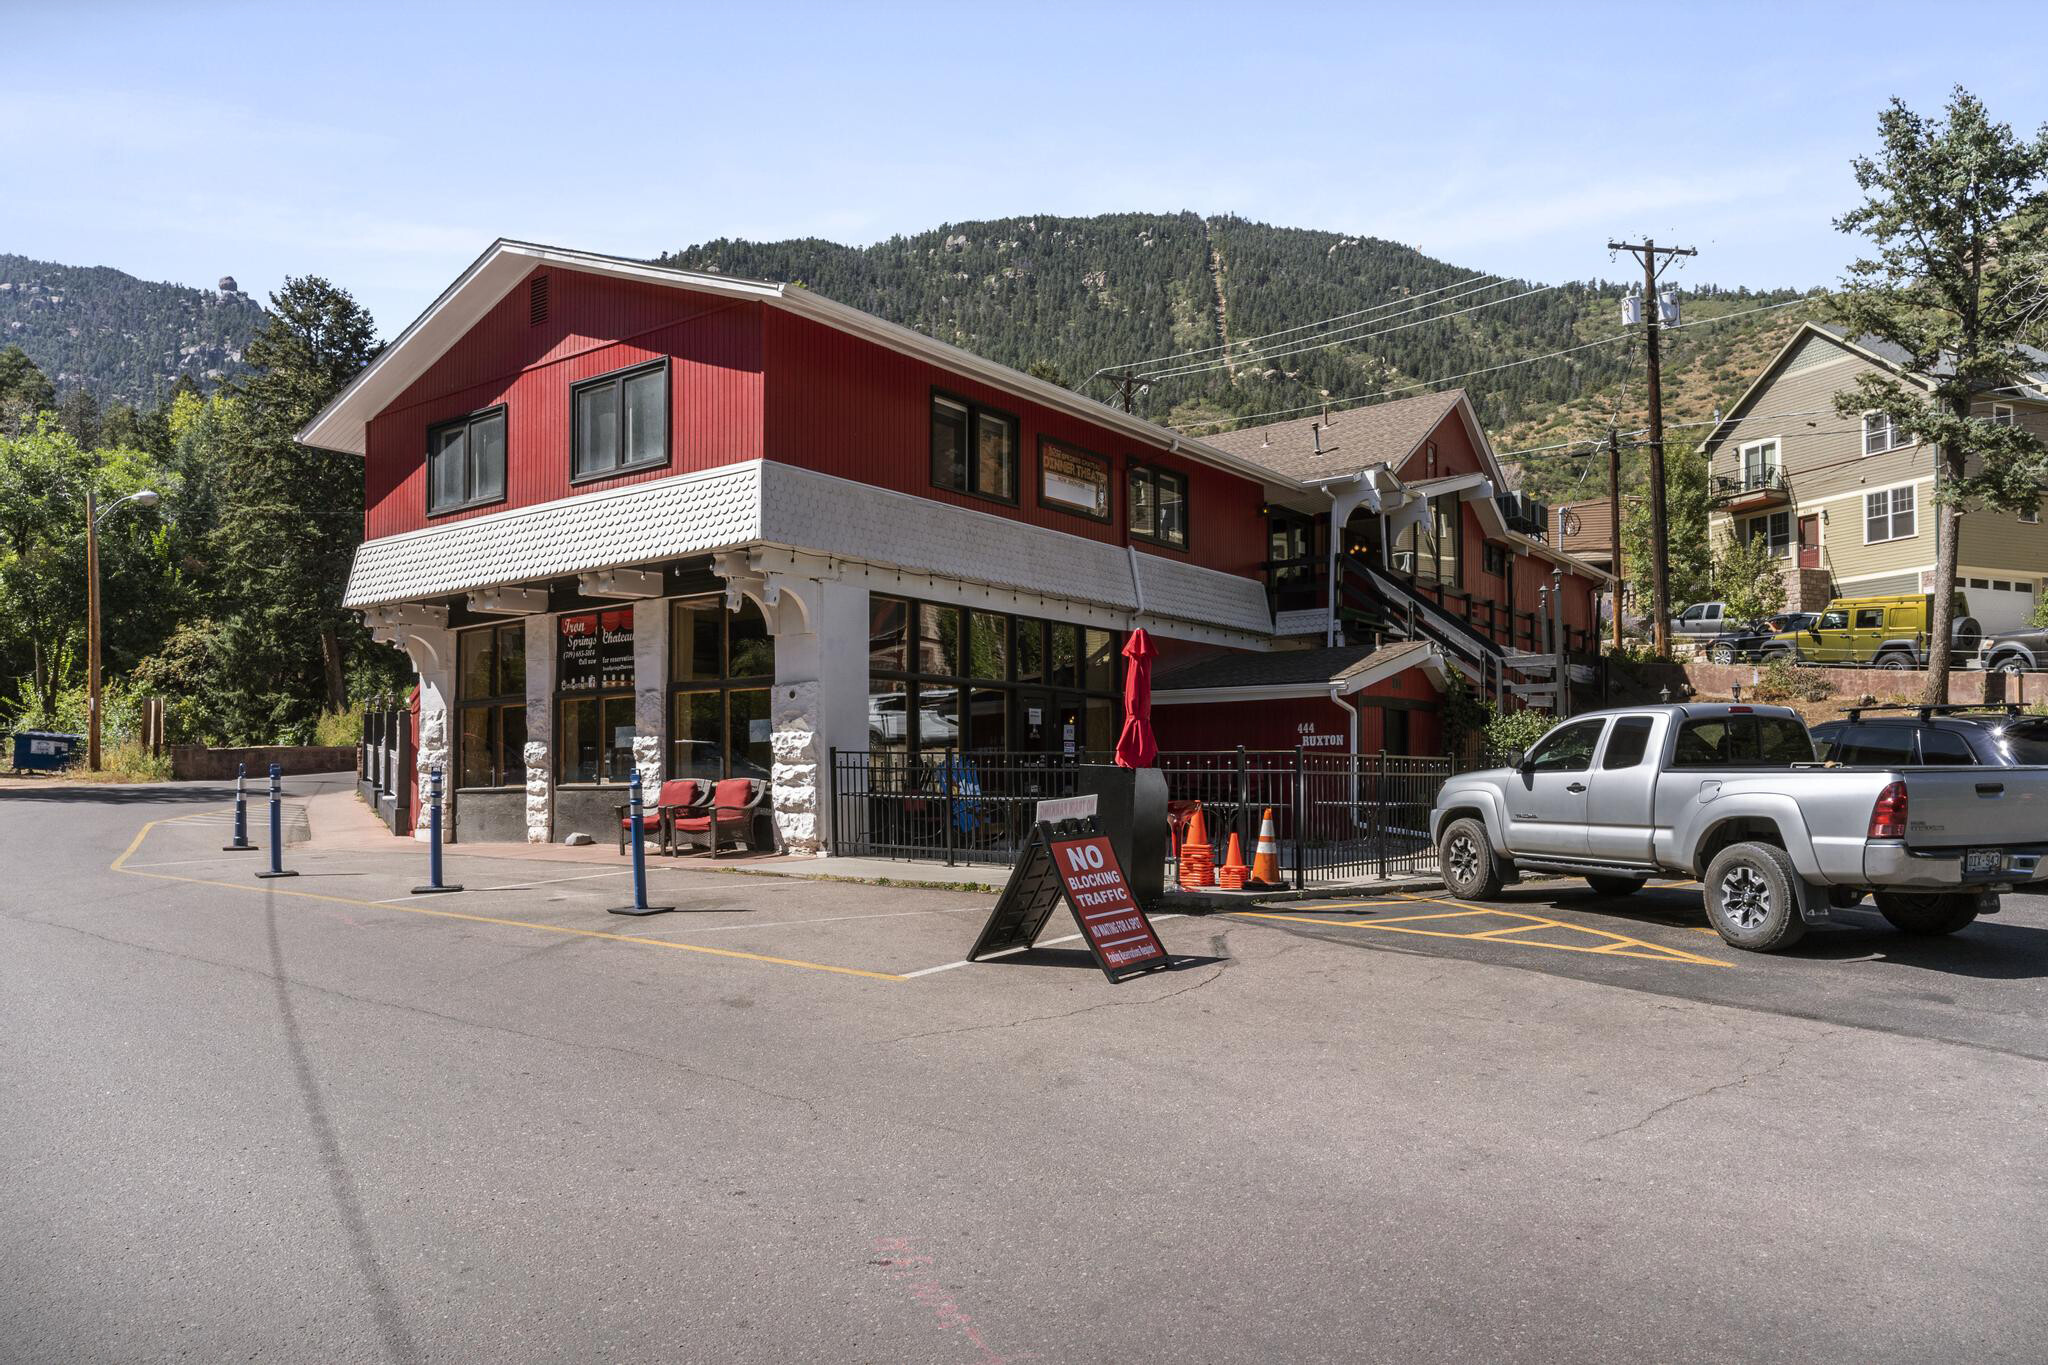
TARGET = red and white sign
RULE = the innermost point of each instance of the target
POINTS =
(1115, 927)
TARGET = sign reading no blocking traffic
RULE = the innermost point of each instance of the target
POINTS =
(1084, 872)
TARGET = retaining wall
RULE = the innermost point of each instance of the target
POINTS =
(196, 762)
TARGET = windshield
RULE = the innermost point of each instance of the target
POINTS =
(1742, 741)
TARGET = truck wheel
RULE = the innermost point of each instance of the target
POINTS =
(1616, 886)
(1926, 914)
(1722, 654)
(1893, 660)
(1466, 858)
(1751, 897)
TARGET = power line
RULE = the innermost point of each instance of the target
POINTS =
(1304, 327)
(1341, 341)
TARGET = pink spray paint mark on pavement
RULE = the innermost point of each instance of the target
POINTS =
(900, 1259)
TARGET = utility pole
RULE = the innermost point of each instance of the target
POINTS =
(1128, 386)
(1614, 526)
(1647, 251)
(92, 635)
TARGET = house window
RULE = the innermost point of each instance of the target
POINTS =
(1889, 514)
(974, 449)
(1072, 480)
(594, 690)
(1159, 506)
(490, 705)
(1496, 559)
(2032, 516)
(720, 666)
(1880, 434)
(1429, 551)
(466, 462)
(2002, 415)
(1774, 529)
(1760, 465)
(620, 422)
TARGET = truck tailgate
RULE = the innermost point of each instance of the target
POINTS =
(1975, 807)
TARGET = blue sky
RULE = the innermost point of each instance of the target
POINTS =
(384, 147)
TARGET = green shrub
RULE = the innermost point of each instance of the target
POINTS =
(1782, 680)
(1517, 729)
(341, 728)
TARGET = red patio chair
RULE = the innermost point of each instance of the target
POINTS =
(681, 791)
(735, 802)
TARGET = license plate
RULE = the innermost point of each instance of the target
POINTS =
(1983, 860)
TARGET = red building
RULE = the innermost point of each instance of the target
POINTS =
(626, 517)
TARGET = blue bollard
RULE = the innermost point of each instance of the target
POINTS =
(434, 882)
(277, 868)
(633, 811)
(241, 843)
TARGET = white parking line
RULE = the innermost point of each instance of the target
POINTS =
(515, 886)
(1042, 943)
(835, 919)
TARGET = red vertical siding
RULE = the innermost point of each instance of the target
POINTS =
(1316, 723)
(594, 325)
(848, 407)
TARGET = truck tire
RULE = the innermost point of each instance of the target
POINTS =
(1926, 914)
(1721, 654)
(1893, 659)
(1616, 886)
(1465, 856)
(1753, 899)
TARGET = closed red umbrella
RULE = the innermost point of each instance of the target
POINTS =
(1135, 747)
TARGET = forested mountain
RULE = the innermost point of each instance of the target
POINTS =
(117, 337)
(1071, 296)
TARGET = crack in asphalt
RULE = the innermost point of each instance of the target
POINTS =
(1748, 1075)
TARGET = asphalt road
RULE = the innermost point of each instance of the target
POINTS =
(322, 1120)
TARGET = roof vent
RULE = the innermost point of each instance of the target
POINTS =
(537, 301)
(1315, 429)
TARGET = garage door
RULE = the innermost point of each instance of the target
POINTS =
(2000, 603)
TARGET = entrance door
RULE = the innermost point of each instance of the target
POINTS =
(1037, 726)
(1809, 542)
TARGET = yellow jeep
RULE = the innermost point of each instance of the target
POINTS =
(1880, 632)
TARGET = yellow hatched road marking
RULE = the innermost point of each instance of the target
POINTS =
(119, 865)
(1617, 945)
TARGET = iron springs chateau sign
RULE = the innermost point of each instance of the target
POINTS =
(596, 651)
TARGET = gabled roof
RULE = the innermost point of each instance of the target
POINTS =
(1353, 439)
(341, 424)
(1882, 354)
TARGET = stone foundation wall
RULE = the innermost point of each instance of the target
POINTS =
(196, 762)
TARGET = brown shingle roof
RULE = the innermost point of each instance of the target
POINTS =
(1352, 439)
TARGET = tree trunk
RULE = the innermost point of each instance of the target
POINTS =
(330, 654)
(1948, 525)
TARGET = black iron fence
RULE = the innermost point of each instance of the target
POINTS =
(1336, 818)
(384, 763)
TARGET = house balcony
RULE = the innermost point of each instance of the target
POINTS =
(1750, 490)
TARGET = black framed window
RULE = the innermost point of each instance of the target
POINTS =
(594, 720)
(490, 706)
(619, 422)
(1158, 503)
(945, 677)
(1072, 480)
(1430, 551)
(720, 670)
(466, 462)
(974, 449)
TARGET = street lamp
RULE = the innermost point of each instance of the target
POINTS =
(144, 498)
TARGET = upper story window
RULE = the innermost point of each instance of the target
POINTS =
(1880, 434)
(1760, 465)
(1159, 506)
(621, 422)
(974, 449)
(2002, 415)
(466, 462)
(1889, 514)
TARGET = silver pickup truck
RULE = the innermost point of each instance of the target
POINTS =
(1732, 795)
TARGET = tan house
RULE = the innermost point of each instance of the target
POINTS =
(1847, 504)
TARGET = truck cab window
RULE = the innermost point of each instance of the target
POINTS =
(1628, 743)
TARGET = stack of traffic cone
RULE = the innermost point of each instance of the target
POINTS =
(1266, 858)
(1231, 876)
(1197, 859)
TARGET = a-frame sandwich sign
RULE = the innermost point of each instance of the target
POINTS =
(1072, 861)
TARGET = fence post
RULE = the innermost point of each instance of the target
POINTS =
(832, 794)
(1244, 796)
(947, 811)
(1300, 817)
(1379, 811)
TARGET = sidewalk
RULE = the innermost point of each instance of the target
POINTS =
(341, 822)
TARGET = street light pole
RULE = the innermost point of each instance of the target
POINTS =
(144, 498)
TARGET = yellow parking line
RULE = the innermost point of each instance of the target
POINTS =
(118, 865)
(1618, 945)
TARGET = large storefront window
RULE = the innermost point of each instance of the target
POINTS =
(594, 695)
(943, 677)
(490, 705)
(720, 666)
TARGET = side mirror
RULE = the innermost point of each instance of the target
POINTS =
(1517, 759)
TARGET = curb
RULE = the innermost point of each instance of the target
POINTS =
(1210, 902)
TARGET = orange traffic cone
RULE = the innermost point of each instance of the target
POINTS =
(1266, 858)
(1231, 876)
(1197, 859)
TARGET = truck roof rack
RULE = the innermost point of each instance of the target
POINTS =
(2009, 708)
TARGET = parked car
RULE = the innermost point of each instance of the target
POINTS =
(1732, 795)
(1743, 642)
(1992, 736)
(1700, 620)
(2016, 651)
(1877, 632)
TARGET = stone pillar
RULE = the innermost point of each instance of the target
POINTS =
(540, 729)
(650, 691)
(432, 651)
(820, 700)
